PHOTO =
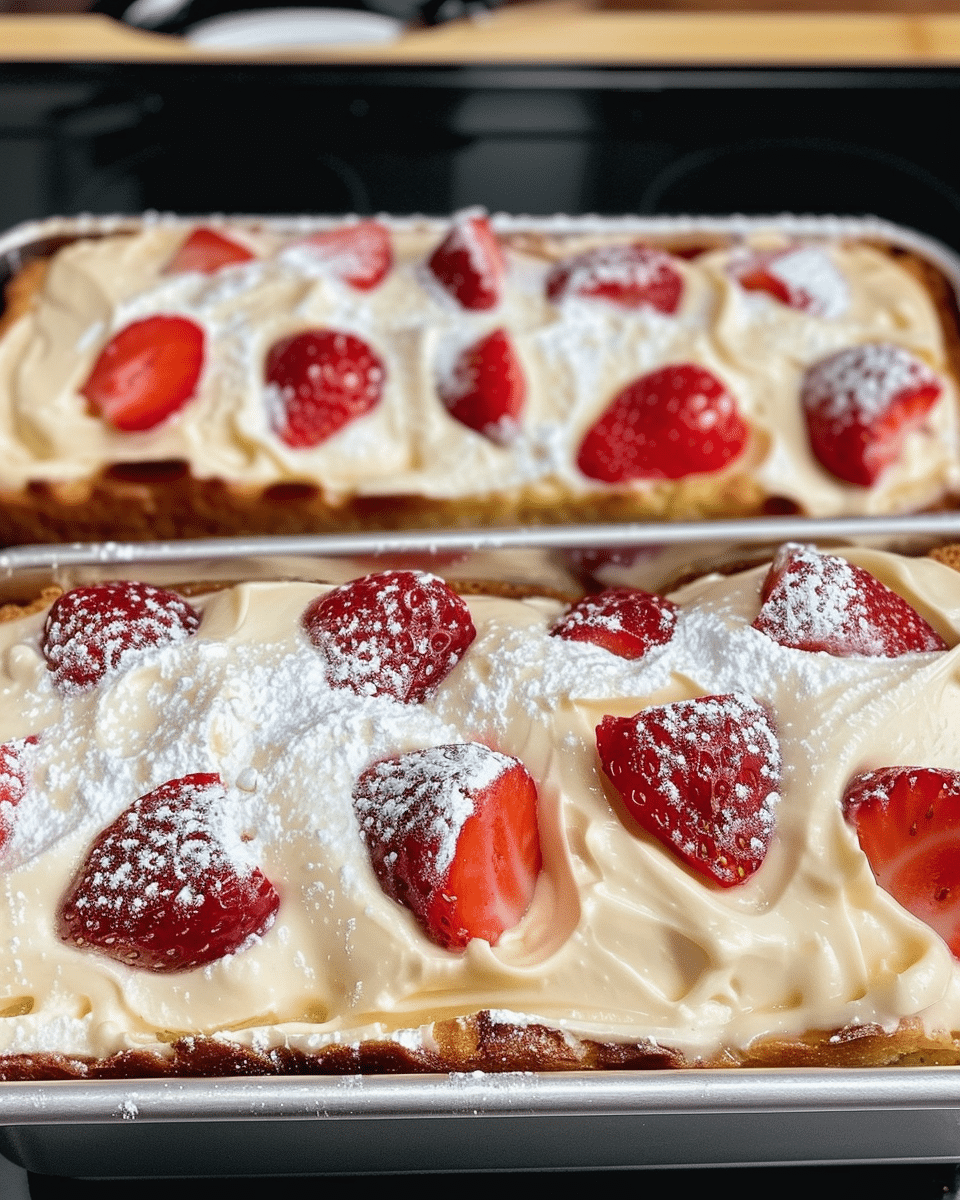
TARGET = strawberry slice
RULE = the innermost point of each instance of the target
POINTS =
(206, 252)
(393, 633)
(626, 621)
(908, 822)
(802, 277)
(146, 373)
(469, 262)
(487, 388)
(319, 381)
(159, 889)
(452, 835)
(679, 420)
(702, 776)
(631, 276)
(14, 781)
(359, 255)
(813, 601)
(92, 630)
(861, 403)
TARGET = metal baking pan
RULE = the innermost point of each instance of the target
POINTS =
(291, 1125)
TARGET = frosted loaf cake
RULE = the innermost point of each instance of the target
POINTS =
(175, 378)
(381, 826)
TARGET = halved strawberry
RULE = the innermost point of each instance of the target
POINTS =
(908, 822)
(207, 251)
(679, 420)
(702, 776)
(814, 601)
(861, 403)
(159, 889)
(469, 262)
(92, 630)
(393, 633)
(14, 781)
(626, 621)
(360, 255)
(452, 835)
(319, 381)
(801, 277)
(630, 276)
(146, 372)
(487, 388)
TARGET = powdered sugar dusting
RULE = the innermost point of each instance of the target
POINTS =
(861, 383)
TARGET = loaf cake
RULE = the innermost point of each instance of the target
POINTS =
(388, 826)
(167, 378)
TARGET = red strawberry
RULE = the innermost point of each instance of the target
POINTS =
(702, 776)
(206, 251)
(679, 420)
(908, 823)
(814, 601)
(487, 388)
(146, 372)
(14, 780)
(801, 277)
(452, 835)
(632, 276)
(360, 255)
(159, 889)
(861, 403)
(469, 262)
(625, 621)
(394, 633)
(319, 381)
(92, 630)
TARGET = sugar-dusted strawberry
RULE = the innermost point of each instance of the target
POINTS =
(207, 251)
(469, 262)
(487, 387)
(146, 372)
(92, 630)
(861, 403)
(630, 276)
(318, 381)
(801, 277)
(393, 633)
(702, 776)
(908, 822)
(626, 621)
(359, 255)
(678, 420)
(814, 601)
(452, 835)
(163, 887)
(14, 781)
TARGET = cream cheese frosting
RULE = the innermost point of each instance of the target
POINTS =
(576, 355)
(622, 942)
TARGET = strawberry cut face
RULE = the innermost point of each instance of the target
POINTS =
(90, 631)
(393, 633)
(15, 772)
(487, 388)
(452, 835)
(625, 621)
(469, 263)
(908, 823)
(814, 601)
(146, 373)
(702, 776)
(801, 277)
(359, 255)
(632, 276)
(859, 406)
(206, 251)
(679, 420)
(158, 889)
(319, 381)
